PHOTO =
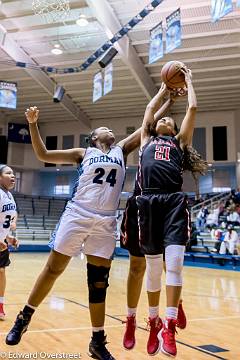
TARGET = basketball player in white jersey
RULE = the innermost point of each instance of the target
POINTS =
(87, 225)
(7, 221)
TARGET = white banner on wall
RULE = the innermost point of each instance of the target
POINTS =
(97, 86)
(108, 79)
(156, 43)
(220, 8)
(173, 31)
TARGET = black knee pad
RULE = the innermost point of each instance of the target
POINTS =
(97, 283)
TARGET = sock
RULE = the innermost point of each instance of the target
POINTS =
(98, 335)
(131, 311)
(97, 329)
(1, 300)
(29, 309)
(153, 311)
(171, 313)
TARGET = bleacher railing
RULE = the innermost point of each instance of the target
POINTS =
(209, 203)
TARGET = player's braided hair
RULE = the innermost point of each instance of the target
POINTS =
(89, 139)
(192, 161)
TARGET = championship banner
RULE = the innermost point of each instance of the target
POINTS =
(19, 133)
(173, 31)
(8, 95)
(156, 43)
(220, 8)
(108, 79)
(97, 86)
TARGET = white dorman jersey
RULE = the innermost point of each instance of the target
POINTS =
(100, 182)
(7, 213)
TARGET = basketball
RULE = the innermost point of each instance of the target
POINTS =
(172, 76)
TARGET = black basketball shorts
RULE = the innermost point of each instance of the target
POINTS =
(4, 258)
(163, 221)
(129, 237)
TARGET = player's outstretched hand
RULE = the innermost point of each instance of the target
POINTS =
(32, 114)
(3, 246)
(178, 93)
(163, 88)
(187, 74)
(13, 241)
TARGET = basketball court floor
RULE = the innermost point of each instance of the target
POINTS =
(61, 326)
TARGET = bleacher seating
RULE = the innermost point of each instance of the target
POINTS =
(37, 217)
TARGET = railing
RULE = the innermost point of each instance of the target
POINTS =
(25, 221)
(209, 203)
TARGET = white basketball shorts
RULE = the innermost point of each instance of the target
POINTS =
(85, 231)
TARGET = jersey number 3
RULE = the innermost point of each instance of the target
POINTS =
(162, 153)
(111, 178)
(7, 222)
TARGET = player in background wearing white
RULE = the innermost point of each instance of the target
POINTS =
(8, 216)
(87, 225)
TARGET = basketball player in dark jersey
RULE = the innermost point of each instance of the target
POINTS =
(129, 240)
(162, 206)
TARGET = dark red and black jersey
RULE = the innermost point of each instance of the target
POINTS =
(161, 165)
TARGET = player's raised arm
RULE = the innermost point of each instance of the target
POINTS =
(150, 111)
(187, 127)
(71, 156)
(132, 142)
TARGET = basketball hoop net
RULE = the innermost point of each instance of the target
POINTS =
(52, 11)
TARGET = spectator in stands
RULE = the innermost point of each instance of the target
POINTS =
(201, 218)
(7, 223)
(230, 205)
(217, 235)
(237, 196)
(233, 218)
(230, 242)
(222, 216)
(193, 238)
(212, 218)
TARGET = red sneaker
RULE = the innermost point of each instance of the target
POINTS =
(181, 319)
(155, 325)
(167, 338)
(2, 313)
(129, 336)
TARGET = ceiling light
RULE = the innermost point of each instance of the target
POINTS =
(56, 50)
(82, 21)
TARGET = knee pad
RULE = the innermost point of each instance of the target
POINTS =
(97, 283)
(154, 267)
(174, 256)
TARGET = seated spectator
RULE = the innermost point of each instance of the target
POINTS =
(193, 238)
(233, 218)
(230, 204)
(222, 216)
(201, 218)
(237, 196)
(212, 218)
(217, 235)
(230, 242)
